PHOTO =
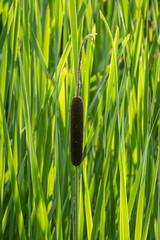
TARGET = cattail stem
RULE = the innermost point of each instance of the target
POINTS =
(77, 134)
(80, 59)
(76, 203)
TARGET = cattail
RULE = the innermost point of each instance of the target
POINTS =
(76, 130)
(77, 119)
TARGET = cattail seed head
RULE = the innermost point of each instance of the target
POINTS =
(76, 130)
(77, 118)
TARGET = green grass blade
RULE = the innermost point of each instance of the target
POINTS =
(124, 219)
(137, 43)
(26, 51)
(39, 54)
(73, 21)
(17, 202)
(88, 211)
(3, 72)
(81, 213)
(139, 218)
(2, 174)
(14, 44)
(7, 26)
(151, 200)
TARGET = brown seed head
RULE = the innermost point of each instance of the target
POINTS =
(76, 130)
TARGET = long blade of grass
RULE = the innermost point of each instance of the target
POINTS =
(17, 202)
(124, 219)
(151, 199)
(39, 54)
(73, 21)
(7, 26)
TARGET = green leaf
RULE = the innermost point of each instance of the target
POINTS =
(17, 202)
(73, 22)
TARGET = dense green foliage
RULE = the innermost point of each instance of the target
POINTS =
(119, 178)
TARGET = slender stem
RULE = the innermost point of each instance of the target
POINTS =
(76, 169)
(80, 59)
(76, 203)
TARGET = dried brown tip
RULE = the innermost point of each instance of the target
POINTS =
(76, 130)
(80, 59)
